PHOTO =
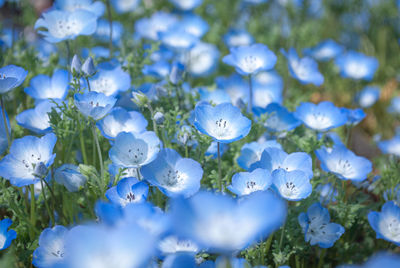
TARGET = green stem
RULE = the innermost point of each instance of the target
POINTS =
(282, 235)
(321, 258)
(219, 168)
(268, 244)
(82, 140)
(88, 83)
(46, 203)
(250, 104)
(98, 151)
(33, 207)
(3, 110)
(109, 15)
(138, 173)
(152, 118)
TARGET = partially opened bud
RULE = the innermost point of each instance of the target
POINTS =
(76, 64)
(88, 67)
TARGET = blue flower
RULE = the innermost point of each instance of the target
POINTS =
(172, 174)
(3, 132)
(357, 66)
(51, 251)
(128, 190)
(203, 59)
(382, 259)
(186, 5)
(11, 76)
(251, 59)
(386, 223)
(6, 237)
(292, 185)
(220, 223)
(244, 183)
(70, 176)
(327, 193)
(176, 38)
(133, 150)
(159, 69)
(303, 69)
(65, 25)
(321, 117)
(394, 107)
(194, 25)
(93, 104)
(224, 122)
(236, 38)
(368, 96)
(265, 94)
(103, 31)
(354, 116)
(344, 163)
(317, 227)
(172, 244)
(28, 160)
(124, 6)
(235, 86)
(251, 152)
(391, 146)
(279, 119)
(212, 150)
(96, 7)
(217, 96)
(43, 87)
(150, 28)
(180, 260)
(325, 50)
(37, 119)
(120, 120)
(274, 158)
(110, 79)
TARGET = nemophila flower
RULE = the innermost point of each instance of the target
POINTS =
(368, 96)
(325, 50)
(292, 185)
(235, 86)
(37, 119)
(244, 183)
(125, 246)
(317, 228)
(103, 31)
(263, 95)
(96, 7)
(65, 25)
(216, 96)
(28, 160)
(354, 116)
(251, 152)
(120, 120)
(149, 28)
(159, 69)
(224, 122)
(357, 66)
(43, 87)
(391, 146)
(382, 259)
(274, 158)
(303, 69)
(386, 223)
(93, 104)
(6, 236)
(202, 59)
(172, 244)
(394, 107)
(344, 163)
(3, 131)
(124, 6)
(133, 150)
(251, 59)
(236, 38)
(51, 251)
(186, 5)
(70, 176)
(194, 25)
(176, 38)
(11, 76)
(225, 261)
(180, 259)
(177, 72)
(327, 193)
(220, 223)
(212, 150)
(321, 117)
(279, 119)
(88, 68)
(172, 174)
(128, 190)
(110, 79)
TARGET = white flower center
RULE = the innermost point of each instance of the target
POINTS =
(104, 85)
(250, 63)
(390, 228)
(318, 120)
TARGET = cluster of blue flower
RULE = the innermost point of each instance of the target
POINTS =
(155, 208)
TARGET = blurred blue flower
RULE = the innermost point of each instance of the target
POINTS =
(236, 38)
(224, 122)
(124, 6)
(292, 185)
(344, 163)
(96, 7)
(212, 150)
(386, 223)
(194, 25)
(51, 251)
(357, 66)
(216, 96)
(202, 59)
(11, 76)
(128, 190)
(317, 227)
(251, 59)
(391, 146)
(278, 118)
(303, 69)
(354, 116)
(119, 120)
(235, 86)
(274, 158)
(65, 25)
(6, 236)
(159, 69)
(245, 183)
(186, 5)
(103, 31)
(70, 176)
(43, 87)
(394, 107)
(180, 260)
(93, 104)
(327, 193)
(368, 96)
(149, 28)
(110, 79)
(177, 39)
(133, 150)
(28, 160)
(321, 117)
(251, 152)
(325, 50)
(3, 131)
(172, 174)
(220, 223)
(172, 244)
(177, 72)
